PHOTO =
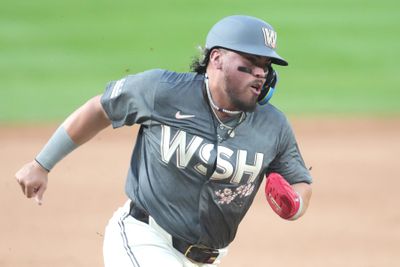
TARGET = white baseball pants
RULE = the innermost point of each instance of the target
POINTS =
(132, 243)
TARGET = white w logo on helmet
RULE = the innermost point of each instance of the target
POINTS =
(269, 37)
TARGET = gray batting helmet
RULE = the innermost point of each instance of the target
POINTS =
(245, 34)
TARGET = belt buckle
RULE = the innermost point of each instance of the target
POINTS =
(200, 253)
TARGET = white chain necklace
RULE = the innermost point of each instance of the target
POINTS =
(231, 129)
(233, 112)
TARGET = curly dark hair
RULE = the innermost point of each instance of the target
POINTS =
(200, 63)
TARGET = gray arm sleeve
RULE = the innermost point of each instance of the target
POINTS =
(59, 145)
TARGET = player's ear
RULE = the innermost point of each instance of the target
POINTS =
(216, 58)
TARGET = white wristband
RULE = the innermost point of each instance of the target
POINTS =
(58, 146)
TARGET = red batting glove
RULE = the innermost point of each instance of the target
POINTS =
(282, 198)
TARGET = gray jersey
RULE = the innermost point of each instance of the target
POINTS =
(195, 177)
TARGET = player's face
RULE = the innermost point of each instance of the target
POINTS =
(244, 77)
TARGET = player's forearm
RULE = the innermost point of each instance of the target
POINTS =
(87, 121)
(79, 127)
(305, 191)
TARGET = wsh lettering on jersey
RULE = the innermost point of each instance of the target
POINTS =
(231, 163)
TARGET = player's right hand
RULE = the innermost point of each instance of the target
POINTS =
(33, 180)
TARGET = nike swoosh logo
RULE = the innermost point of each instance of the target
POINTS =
(180, 116)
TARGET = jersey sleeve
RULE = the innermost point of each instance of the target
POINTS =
(130, 100)
(289, 162)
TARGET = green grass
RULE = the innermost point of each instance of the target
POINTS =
(54, 55)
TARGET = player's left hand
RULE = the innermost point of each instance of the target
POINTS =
(282, 198)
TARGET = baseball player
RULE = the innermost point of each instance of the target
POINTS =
(207, 139)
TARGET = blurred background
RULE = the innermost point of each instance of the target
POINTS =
(54, 55)
(340, 91)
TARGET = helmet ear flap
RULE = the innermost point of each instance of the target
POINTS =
(269, 86)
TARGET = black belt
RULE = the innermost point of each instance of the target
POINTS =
(195, 252)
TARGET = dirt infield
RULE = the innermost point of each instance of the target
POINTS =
(353, 220)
